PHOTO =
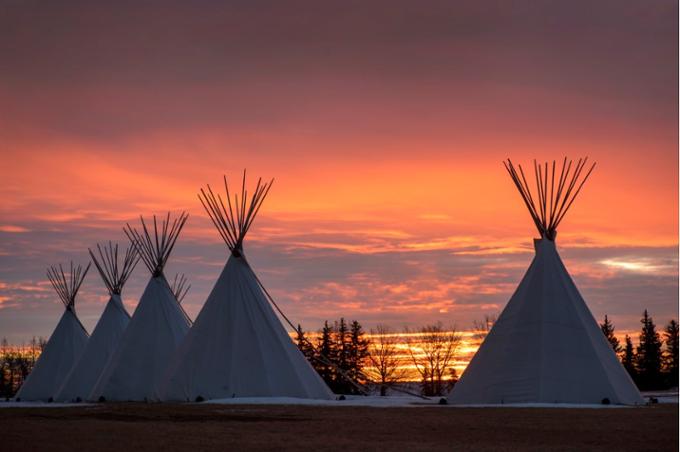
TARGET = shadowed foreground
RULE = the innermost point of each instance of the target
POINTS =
(203, 427)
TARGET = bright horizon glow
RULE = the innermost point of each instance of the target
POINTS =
(470, 340)
(390, 202)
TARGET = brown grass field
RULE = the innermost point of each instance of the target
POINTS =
(131, 427)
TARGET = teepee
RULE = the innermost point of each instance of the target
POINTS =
(109, 328)
(66, 343)
(237, 347)
(546, 347)
(157, 326)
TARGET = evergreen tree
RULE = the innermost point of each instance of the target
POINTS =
(608, 331)
(358, 352)
(648, 359)
(327, 351)
(671, 353)
(628, 358)
(304, 345)
(342, 344)
(343, 353)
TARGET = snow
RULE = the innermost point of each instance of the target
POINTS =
(366, 401)
(395, 402)
(662, 396)
(371, 401)
(13, 404)
(546, 405)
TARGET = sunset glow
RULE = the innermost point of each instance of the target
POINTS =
(385, 137)
(469, 343)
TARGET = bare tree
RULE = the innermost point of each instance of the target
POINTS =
(481, 328)
(386, 365)
(34, 349)
(433, 356)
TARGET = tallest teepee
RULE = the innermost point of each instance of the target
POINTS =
(546, 347)
(237, 347)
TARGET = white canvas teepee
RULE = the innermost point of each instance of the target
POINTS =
(157, 326)
(109, 328)
(237, 347)
(546, 346)
(66, 343)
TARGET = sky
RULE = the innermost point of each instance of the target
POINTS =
(384, 124)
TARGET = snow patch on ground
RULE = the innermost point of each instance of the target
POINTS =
(13, 404)
(670, 397)
(544, 405)
(662, 396)
(372, 401)
(391, 402)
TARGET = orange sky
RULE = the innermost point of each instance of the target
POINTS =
(385, 129)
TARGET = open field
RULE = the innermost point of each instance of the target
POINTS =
(274, 427)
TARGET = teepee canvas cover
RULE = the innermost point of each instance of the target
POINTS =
(546, 346)
(66, 343)
(157, 327)
(237, 347)
(109, 328)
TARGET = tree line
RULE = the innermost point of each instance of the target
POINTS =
(339, 356)
(431, 351)
(653, 364)
(16, 362)
(349, 362)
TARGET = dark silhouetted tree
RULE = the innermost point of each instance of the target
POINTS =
(386, 364)
(304, 345)
(628, 358)
(648, 356)
(342, 344)
(671, 353)
(358, 352)
(433, 356)
(608, 331)
(5, 365)
(482, 328)
(327, 350)
(15, 365)
(341, 358)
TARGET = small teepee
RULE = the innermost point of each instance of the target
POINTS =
(546, 346)
(157, 326)
(237, 347)
(66, 343)
(109, 328)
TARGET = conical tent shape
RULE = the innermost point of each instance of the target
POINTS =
(238, 347)
(65, 345)
(156, 329)
(546, 346)
(109, 328)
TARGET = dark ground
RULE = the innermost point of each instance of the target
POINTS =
(168, 428)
